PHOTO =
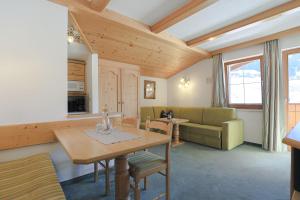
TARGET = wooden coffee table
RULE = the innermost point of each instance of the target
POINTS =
(176, 122)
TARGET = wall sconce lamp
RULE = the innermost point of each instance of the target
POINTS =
(184, 82)
(73, 35)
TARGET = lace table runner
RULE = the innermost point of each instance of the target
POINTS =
(114, 136)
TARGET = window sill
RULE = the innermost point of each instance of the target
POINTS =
(246, 106)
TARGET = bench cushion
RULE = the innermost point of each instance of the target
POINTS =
(33, 177)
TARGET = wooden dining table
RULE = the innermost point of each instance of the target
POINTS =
(83, 149)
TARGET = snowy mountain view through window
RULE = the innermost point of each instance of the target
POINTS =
(244, 82)
(294, 78)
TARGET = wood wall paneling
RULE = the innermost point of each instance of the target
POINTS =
(15, 136)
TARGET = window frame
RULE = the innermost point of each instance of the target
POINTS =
(285, 62)
(226, 66)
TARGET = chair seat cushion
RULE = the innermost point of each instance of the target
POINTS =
(33, 177)
(145, 163)
(207, 130)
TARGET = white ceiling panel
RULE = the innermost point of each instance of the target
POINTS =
(276, 24)
(146, 11)
(218, 15)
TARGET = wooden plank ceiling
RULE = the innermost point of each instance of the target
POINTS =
(120, 42)
(119, 38)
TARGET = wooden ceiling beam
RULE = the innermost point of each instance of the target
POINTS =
(98, 5)
(258, 40)
(180, 14)
(95, 5)
(256, 18)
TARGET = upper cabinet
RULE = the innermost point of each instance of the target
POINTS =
(76, 70)
(119, 87)
(77, 77)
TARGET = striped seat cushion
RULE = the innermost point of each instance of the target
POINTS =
(31, 178)
(145, 163)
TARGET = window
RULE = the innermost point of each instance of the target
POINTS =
(291, 63)
(294, 77)
(243, 82)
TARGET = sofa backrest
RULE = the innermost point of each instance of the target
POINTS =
(206, 116)
(194, 114)
(215, 116)
(157, 110)
(145, 112)
(176, 110)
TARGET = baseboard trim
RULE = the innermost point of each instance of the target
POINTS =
(253, 144)
(77, 179)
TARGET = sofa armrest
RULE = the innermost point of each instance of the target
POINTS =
(232, 134)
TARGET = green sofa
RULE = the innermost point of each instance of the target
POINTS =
(215, 127)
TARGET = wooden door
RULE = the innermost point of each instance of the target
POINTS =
(110, 84)
(130, 94)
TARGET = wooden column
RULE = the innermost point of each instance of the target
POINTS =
(122, 178)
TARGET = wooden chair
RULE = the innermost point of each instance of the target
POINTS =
(105, 165)
(130, 122)
(145, 163)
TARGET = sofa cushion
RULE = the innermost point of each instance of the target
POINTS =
(157, 110)
(215, 116)
(207, 130)
(193, 114)
(145, 112)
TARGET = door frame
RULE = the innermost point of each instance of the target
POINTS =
(285, 64)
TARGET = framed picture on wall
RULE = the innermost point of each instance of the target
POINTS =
(149, 89)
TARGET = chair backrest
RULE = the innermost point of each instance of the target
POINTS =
(166, 127)
(130, 122)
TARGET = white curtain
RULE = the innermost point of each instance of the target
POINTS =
(273, 98)
(219, 90)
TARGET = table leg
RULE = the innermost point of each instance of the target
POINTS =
(121, 178)
(176, 141)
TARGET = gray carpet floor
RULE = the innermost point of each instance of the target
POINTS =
(199, 172)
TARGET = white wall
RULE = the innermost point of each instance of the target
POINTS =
(161, 92)
(33, 57)
(93, 82)
(33, 74)
(200, 91)
(78, 51)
